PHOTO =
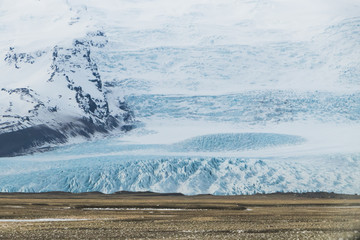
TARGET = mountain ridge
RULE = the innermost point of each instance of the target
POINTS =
(77, 107)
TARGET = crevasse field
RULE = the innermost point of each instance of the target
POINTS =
(230, 97)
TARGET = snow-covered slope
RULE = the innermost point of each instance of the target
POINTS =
(229, 96)
(52, 92)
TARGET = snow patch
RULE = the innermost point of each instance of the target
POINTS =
(44, 220)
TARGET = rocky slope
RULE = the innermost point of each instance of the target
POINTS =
(67, 100)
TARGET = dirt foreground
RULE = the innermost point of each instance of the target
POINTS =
(127, 215)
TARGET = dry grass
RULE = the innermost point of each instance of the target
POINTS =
(201, 217)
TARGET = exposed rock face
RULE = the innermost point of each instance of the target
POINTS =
(69, 100)
(17, 59)
(69, 63)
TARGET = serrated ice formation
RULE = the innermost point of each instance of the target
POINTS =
(196, 96)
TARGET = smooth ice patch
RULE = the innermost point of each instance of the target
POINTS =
(236, 142)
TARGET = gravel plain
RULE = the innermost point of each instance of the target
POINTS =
(127, 215)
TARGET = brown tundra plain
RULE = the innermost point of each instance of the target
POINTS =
(146, 215)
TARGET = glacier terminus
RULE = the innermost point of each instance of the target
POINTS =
(196, 96)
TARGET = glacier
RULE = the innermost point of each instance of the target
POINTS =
(197, 96)
(154, 168)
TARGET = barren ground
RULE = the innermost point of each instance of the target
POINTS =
(147, 215)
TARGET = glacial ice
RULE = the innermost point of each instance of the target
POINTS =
(230, 97)
(235, 142)
(188, 175)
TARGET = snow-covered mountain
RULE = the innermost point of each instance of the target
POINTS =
(229, 97)
(55, 93)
